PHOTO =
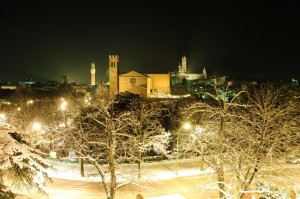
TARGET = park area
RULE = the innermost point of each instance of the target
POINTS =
(160, 180)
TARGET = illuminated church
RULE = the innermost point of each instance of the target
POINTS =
(181, 74)
(145, 85)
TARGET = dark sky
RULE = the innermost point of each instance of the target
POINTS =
(45, 40)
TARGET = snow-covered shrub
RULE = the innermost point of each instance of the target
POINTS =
(21, 168)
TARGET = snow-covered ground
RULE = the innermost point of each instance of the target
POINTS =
(80, 187)
(153, 171)
(165, 169)
(150, 171)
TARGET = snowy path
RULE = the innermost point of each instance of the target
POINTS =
(160, 179)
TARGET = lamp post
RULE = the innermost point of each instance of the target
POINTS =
(200, 130)
(197, 135)
(63, 108)
(185, 126)
(36, 126)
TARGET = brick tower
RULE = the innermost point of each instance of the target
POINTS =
(93, 74)
(183, 64)
(113, 75)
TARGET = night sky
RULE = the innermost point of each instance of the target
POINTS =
(45, 40)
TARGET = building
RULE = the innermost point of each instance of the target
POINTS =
(28, 83)
(113, 64)
(145, 85)
(8, 87)
(181, 74)
(93, 74)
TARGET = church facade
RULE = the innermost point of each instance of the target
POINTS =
(145, 85)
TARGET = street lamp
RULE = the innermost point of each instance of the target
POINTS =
(185, 126)
(63, 108)
(197, 136)
(36, 126)
(199, 130)
(63, 105)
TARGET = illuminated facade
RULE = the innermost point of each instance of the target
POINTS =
(145, 85)
(181, 73)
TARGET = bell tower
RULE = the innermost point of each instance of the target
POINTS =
(113, 61)
(183, 64)
(93, 74)
(204, 73)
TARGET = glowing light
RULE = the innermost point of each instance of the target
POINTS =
(63, 106)
(29, 102)
(186, 125)
(36, 126)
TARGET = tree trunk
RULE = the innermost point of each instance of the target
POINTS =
(202, 158)
(81, 167)
(139, 165)
(255, 170)
(220, 168)
(112, 165)
(104, 182)
(221, 181)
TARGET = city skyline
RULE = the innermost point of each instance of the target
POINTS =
(246, 39)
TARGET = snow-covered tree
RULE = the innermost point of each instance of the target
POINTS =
(96, 134)
(24, 108)
(145, 134)
(240, 136)
(21, 168)
(109, 132)
(28, 109)
(272, 119)
(171, 118)
(213, 118)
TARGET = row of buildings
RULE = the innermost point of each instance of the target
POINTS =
(163, 85)
(156, 85)
(150, 85)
